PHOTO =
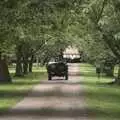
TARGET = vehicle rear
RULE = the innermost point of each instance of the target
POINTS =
(57, 69)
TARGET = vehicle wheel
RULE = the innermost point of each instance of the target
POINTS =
(49, 77)
(66, 77)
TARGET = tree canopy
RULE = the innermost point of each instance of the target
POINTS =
(30, 28)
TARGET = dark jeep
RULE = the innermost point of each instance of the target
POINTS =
(57, 69)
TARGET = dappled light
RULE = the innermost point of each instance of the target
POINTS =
(18, 89)
(60, 59)
(103, 99)
(57, 98)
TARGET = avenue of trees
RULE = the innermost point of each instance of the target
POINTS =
(42, 29)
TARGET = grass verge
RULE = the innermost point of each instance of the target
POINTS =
(12, 93)
(103, 99)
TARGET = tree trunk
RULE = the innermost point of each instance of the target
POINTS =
(110, 72)
(119, 72)
(118, 77)
(25, 65)
(61, 55)
(31, 63)
(4, 72)
(19, 70)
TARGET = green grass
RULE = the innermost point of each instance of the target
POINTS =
(103, 99)
(12, 93)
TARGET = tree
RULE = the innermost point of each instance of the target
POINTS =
(40, 20)
(101, 21)
(6, 31)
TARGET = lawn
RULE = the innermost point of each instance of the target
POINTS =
(12, 93)
(103, 99)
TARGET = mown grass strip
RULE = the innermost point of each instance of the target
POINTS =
(12, 93)
(103, 99)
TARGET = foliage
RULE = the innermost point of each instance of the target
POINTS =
(45, 28)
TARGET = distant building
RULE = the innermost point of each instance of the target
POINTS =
(71, 53)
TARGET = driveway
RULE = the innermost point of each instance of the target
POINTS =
(53, 100)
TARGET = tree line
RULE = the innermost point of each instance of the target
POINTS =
(31, 28)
